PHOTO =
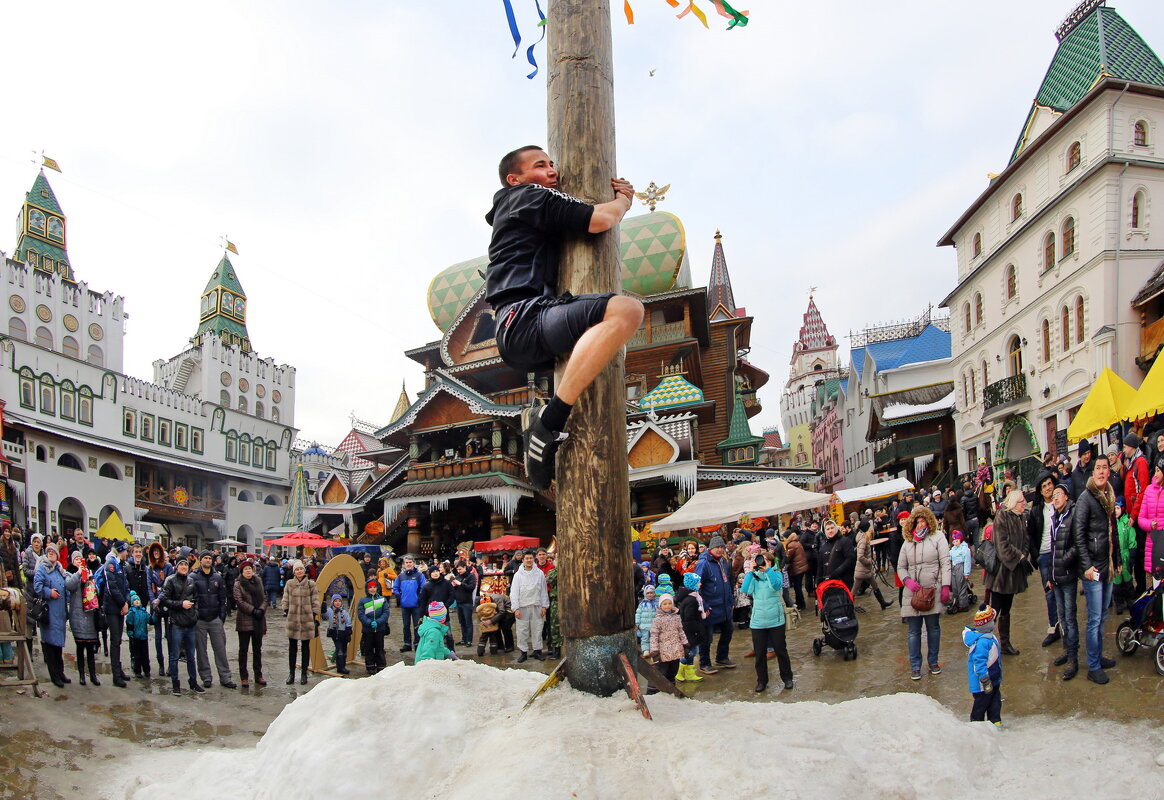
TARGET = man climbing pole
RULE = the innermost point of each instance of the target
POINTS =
(534, 323)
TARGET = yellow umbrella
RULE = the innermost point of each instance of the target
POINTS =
(1149, 400)
(113, 528)
(1107, 403)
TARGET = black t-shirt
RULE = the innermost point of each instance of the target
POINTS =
(528, 221)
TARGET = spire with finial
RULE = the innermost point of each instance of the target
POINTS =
(402, 404)
(41, 239)
(720, 299)
(224, 308)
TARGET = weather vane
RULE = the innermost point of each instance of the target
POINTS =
(653, 195)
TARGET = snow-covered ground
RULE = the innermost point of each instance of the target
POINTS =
(457, 730)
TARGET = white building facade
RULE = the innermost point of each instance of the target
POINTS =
(86, 440)
(1051, 254)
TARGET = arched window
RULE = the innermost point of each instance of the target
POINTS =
(17, 329)
(244, 496)
(1140, 133)
(44, 337)
(1137, 211)
(1049, 251)
(70, 461)
(109, 471)
(976, 247)
(224, 398)
(966, 314)
(1015, 355)
(259, 409)
(1065, 325)
(96, 356)
(1074, 156)
(1080, 325)
(1016, 207)
(70, 347)
(242, 404)
(1011, 282)
(1046, 333)
(985, 374)
(1068, 236)
(973, 389)
(275, 414)
(978, 311)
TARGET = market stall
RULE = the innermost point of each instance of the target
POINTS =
(760, 499)
(492, 553)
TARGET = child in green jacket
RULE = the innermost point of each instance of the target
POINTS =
(434, 635)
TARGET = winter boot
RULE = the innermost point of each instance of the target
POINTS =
(1053, 635)
(1004, 635)
(303, 676)
(881, 599)
(538, 655)
(162, 667)
(91, 659)
(481, 649)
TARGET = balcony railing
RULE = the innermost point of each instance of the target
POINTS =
(658, 334)
(911, 447)
(522, 396)
(1005, 391)
(165, 497)
(460, 467)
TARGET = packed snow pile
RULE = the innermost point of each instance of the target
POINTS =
(457, 730)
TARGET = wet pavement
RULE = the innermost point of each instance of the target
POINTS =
(63, 745)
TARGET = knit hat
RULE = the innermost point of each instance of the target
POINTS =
(372, 582)
(957, 536)
(120, 547)
(437, 611)
(247, 562)
(644, 563)
(648, 589)
(297, 564)
(1131, 440)
(1065, 487)
(1121, 502)
(206, 554)
(902, 515)
(716, 541)
(77, 554)
(663, 597)
(664, 584)
(1084, 447)
(691, 581)
(53, 546)
(335, 597)
(754, 548)
(984, 619)
(133, 597)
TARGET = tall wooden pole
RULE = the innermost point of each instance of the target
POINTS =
(596, 586)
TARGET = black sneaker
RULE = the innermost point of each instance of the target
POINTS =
(1097, 676)
(1107, 663)
(541, 446)
(727, 663)
(177, 691)
(197, 689)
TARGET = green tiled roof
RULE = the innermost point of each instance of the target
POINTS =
(739, 432)
(224, 276)
(41, 194)
(653, 247)
(1101, 44)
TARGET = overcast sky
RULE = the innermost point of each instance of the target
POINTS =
(349, 149)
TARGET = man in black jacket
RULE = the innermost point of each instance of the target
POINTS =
(1082, 471)
(837, 556)
(1092, 526)
(180, 598)
(115, 605)
(1061, 579)
(211, 589)
(1039, 543)
(535, 324)
(972, 510)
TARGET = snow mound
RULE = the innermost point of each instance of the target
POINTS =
(457, 730)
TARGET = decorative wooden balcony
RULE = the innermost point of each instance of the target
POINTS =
(902, 449)
(458, 467)
(1151, 337)
(660, 334)
(195, 507)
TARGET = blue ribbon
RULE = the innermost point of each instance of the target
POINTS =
(511, 18)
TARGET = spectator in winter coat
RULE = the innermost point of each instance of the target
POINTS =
(210, 629)
(666, 640)
(1135, 484)
(1152, 522)
(837, 556)
(272, 582)
(1092, 523)
(180, 598)
(386, 575)
(530, 597)
(765, 586)
(432, 643)
(924, 562)
(250, 598)
(137, 626)
(1123, 583)
(302, 609)
(692, 614)
(1082, 471)
(464, 588)
(407, 588)
(373, 615)
(718, 595)
(644, 616)
(797, 565)
(339, 630)
(437, 589)
(114, 591)
(48, 583)
(83, 608)
(984, 666)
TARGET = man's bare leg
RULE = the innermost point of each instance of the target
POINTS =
(598, 346)
(541, 427)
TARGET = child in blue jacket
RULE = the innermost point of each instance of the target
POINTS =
(984, 666)
(339, 630)
(137, 623)
(645, 617)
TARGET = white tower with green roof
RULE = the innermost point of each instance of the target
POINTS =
(220, 364)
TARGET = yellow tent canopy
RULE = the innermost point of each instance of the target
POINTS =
(113, 528)
(1107, 403)
(1149, 400)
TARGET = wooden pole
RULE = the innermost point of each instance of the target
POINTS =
(596, 587)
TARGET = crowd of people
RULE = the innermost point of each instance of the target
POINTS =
(1100, 532)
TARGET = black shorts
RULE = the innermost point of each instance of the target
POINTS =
(532, 333)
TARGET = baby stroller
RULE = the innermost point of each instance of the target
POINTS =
(961, 598)
(1145, 626)
(838, 619)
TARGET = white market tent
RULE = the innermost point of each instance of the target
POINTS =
(759, 499)
(874, 491)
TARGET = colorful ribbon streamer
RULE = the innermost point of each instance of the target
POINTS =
(516, 34)
(737, 17)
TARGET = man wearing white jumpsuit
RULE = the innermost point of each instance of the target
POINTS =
(530, 598)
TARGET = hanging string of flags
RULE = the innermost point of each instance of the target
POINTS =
(722, 7)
